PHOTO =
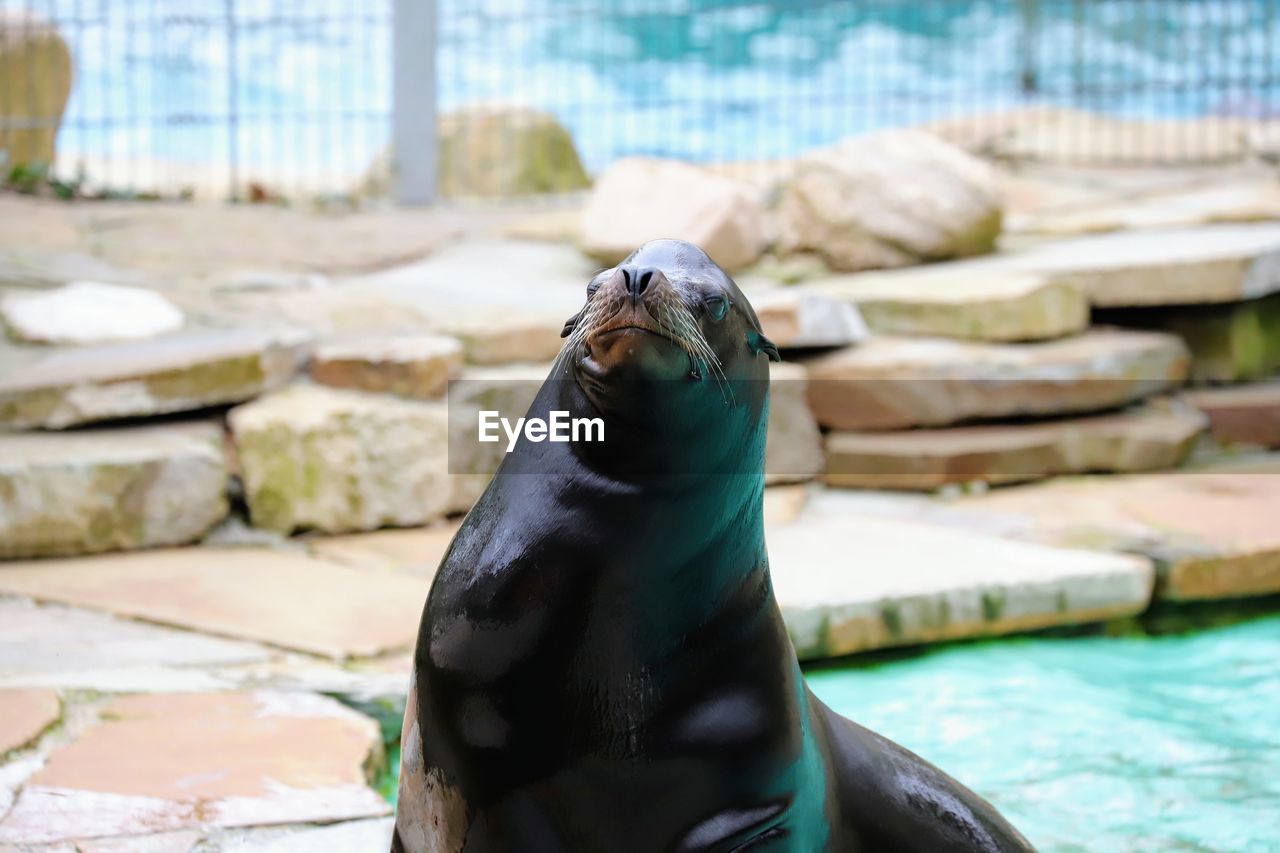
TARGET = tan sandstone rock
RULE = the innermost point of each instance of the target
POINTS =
(640, 199)
(947, 302)
(850, 583)
(416, 366)
(793, 447)
(175, 373)
(1211, 532)
(337, 461)
(890, 199)
(896, 383)
(1242, 414)
(24, 714)
(110, 489)
(280, 597)
(166, 762)
(1230, 342)
(801, 318)
(1149, 438)
(35, 82)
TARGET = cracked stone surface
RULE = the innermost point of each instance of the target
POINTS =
(24, 714)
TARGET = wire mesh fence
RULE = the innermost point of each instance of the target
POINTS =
(296, 97)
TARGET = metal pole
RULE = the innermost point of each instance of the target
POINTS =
(233, 119)
(413, 107)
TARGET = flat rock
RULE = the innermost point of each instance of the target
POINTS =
(175, 373)
(159, 842)
(336, 461)
(1186, 266)
(793, 445)
(638, 199)
(1242, 414)
(87, 312)
(281, 598)
(69, 648)
(796, 318)
(1150, 438)
(417, 551)
(24, 714)
(356, 836)
(896, 383)
(849, 584)
(110, 489)
(949, 302)
(1231, 342)
(1212, 532)
(415, 366)
(889, 199)
(1255, 199)
(168, 762)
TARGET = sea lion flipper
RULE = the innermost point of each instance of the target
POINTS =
(889, 798)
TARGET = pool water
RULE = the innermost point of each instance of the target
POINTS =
(1096, 743)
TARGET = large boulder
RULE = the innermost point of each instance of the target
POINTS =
(35, 82)
(505, 150)
(638, 199)
(102, 490)
(495, 150)
(890, 199)
(337, 461)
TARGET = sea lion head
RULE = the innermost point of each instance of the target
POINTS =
(670, 352)
(668, 312)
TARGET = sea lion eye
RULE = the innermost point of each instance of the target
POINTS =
(718, 306)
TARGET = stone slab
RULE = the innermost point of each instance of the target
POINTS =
(416, 551)
(1242, 414)
(793, 444)
(280, 598)
(895, 383)
(849, 584)
(160, 842)
(1149, 438)
(167, 762)
(957, 303)
(87, 312)
(110, 489)
(1233, 342)
(69, 648)
(1185, 266)
(414, 366)
(794, 318)
(174, 373)
(335, 460)
(1212, 532)
(355, 836)
(24, 714)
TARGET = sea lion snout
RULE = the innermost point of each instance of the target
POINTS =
(637, 279)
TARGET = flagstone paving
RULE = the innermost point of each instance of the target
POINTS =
(24, 714)
(166, 762)
(278, 597)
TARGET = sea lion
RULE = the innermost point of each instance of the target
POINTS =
(602, 665)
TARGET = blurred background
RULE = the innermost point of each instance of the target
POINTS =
(262, 262)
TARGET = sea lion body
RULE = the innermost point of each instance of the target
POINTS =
(602, 665)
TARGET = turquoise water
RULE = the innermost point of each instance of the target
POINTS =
(310, 81)
(1096, 743)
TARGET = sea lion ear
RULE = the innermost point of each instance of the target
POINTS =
(760, 344)
(570, 325)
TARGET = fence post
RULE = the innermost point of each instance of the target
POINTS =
(413, 106)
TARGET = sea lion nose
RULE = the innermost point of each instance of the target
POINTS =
(639, 279)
